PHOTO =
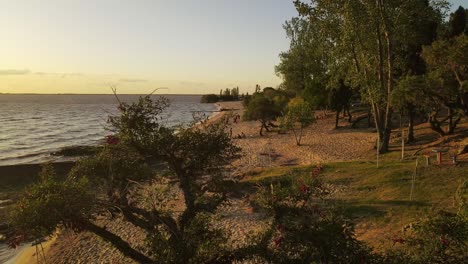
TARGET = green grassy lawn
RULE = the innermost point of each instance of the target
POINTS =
(378, 199)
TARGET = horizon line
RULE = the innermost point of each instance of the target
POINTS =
(93, 94)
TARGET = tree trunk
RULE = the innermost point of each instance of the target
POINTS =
(385, 140)
(118, 243)
(299, 137)
(453, 126)
(369, 116)
(410, 125)
(435, 125)
(450, 120)
(337, 117)
(350, 117)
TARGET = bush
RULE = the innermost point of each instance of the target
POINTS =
(48, 204)
(209, 98)
(303, 227)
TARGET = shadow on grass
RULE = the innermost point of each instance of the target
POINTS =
(400, 203)
(374, 208)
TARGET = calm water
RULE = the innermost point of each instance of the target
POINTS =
(33, 126)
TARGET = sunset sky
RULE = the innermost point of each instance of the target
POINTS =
(190, 46)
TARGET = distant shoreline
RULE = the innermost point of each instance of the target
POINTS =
(97, 94)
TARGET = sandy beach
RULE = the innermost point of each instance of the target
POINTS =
(321, 143)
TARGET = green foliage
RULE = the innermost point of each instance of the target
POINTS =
(302, 67)
(49, 204)
(262, 108)
(114, 169)
(447, 61)
(340, 96)
(410, 90)
(368, 44)
(304, 228)
(299, 115)
(195, 158)
(139, 122)
(436, 238)
(209, 98)
(458, 23)
(226, 95)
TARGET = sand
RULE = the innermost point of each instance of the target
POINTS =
(321, 143)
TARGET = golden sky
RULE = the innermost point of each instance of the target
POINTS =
(85, 46)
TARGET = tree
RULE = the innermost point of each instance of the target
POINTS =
(262, 109)
(209, 98)
(408, 96)
(119, 170)
(302, 68)
(458, 23)
(340, 100)
(361, 40)
(257, 88)
(448, 74)
(299, 115)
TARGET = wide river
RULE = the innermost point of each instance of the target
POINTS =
(33, 126)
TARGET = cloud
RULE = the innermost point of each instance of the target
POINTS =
(61, 74)
(14, 72)
(133, 80)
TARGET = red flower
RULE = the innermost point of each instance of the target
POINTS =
(112, 140)
(444, 242)
(278, 241)
(398, 240)
(317, 170)
(280, 227)
(16, 240)
(304, 188)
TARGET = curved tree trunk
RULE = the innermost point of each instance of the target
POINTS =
(118, 243)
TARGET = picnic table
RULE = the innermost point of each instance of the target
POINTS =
(439, 152)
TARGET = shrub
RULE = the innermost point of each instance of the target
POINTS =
(209, 98)
(303, 227)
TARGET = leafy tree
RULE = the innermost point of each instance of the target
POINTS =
(362, 40)
(299, 115)
(458, 23)
(117, 172)
(447, 61)
(340, 100)
(209, 98)
(52, 203)
(262, 109)
(303, 67)
(408, 96)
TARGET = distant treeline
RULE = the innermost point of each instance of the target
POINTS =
(224, 95)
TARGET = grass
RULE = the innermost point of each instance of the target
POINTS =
(378, 199)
